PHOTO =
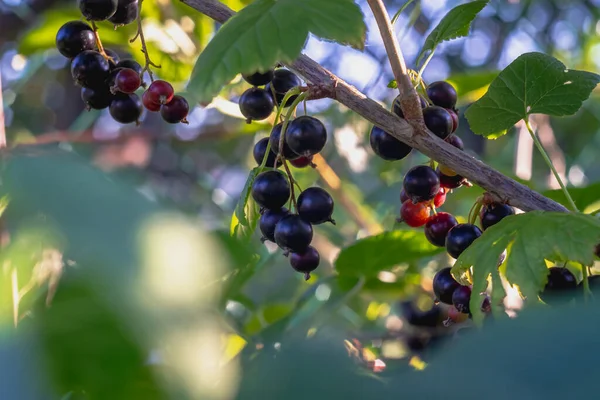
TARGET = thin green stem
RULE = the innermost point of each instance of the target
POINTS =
(397, 15)
(422, 69)
(586, 283)
(540, 148)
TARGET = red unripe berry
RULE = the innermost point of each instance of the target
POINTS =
(127, 80)
(148, 103)
(302, 162)
(160, 92)
(454, 116)
(456, 316)
(440, 198)
(175, 111)
(414, 215)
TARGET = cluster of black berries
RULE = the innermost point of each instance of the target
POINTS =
(257, 104)
(106, 81)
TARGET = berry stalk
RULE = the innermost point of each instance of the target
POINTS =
(99, 42)
(140, 34)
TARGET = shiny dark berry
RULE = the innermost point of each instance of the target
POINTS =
(283, 80)
(268, 220)
(293, 234)
(302, 162)
(259, 151)
(414, 214)
(288, 153)
(460, 237)
(306, 135)
(271, 189)
(454, 117)
(256, 104)
(444, 285)
(126, 108)
(131, 64)
(148, 103)
(176, 110)
(493, 213)
(114, 58)
(438, 121)
(305, 262)
(442, 94)
(74, 37)
(450, 181)
(561, 286)
(456, 142)
(396, 109)
(421, 183)
(127, 12)
(386, 146)
(461, 298)
(90, 69)
(315, 205)
(259, 78)
(127, 80)
(97, 99)
(97, 10)
(160, 92)
(437, 228)
(430, 318)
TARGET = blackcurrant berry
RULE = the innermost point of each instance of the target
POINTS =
(403, 196)
(259, 151)
(131, 64)
(461, 298)
(305, 262)
(160, 92)
(396, 109)
(315, 205)
(259, 78)
(176, 110)
(90, 69)
(268, 220)
(456, 142)
(442, 94)
(127, 11)
(460, 237)
(274, 138)
(440, 198)
(74, 37)
(293, 234)
(438, 121)
(454, 117)
(114, 58)
(386, 146)
(148, 103)
(283, 80)
(561, 286)
(306, 135)
(444, 285)
(97, 10)
(450, 181)
(302, 162)
(430, 318)
(437, 228)
(493, 213)
(256, 104)
(421, 183)
(126, 108)
(127, 81)
(271, 189)
(414, 215)
(97, 99)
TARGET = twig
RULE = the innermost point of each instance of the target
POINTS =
(2, 127)
(500, 186)
(99, 43)
(140, 34)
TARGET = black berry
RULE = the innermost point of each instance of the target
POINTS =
(98, 10)
(114, 58)
(315, 205)
(127, 11)
(442, 94)
(288, 153)
(283, 80)
(437, 228)
(450, 181)
(90, 69)
(256, 104)
(259, 78)
(493, 213)
(271, 189)
(386, 146)
(438, 121)
(260, 149)
(561, 285)
(421, 183)
(97, 99)
(396, 109)
(268, 220)
(456, 142)
(74, 37)
(305, 262)
(302, 162)
(430, 318)
(126, 108)
(306, 135)
(460, 237)
(176, 110)
(444, 285)
(293, 234)
(461, 298)
(131, 64)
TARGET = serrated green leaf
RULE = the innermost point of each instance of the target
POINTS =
(472, 85)
(533, 83)
(271, 31)
(455, 24)
(582, 196)
(532, 237)
(376, 253)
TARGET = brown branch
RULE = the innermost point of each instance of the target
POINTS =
(502, 187)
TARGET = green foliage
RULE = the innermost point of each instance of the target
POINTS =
(245, 216)
(533, 83)
(532, 238)
(267, 32)
(583, 196)
(455, 24)
(373, 254)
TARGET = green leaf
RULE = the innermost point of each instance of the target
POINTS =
(582, 196)
(392, 84)
(533, 83)
(271, 31)
(376, 253)
(239, 214)
(472, 85)
(454, 25)
(532, 237)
